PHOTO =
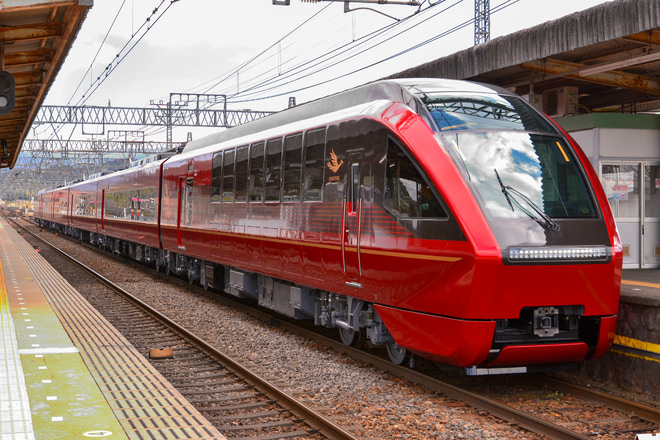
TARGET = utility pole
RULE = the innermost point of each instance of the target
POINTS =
(481, 21)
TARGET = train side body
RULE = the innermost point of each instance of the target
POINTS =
(131, 200)
(53, 207)
(444, 217)
(85, 207)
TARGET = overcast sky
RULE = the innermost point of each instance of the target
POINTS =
(197, 46)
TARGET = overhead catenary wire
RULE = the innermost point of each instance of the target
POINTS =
(126, 49)
(233, 71)
(141, 32)
(262, 83)
(331, 58)
(246, 95)
(91, 64)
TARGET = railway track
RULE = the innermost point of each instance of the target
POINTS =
(240, 403)
(648, 418)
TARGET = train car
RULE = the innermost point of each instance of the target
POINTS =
(438, 217)
(39, 206)
(128, 219)
(52, 208)
(84, 208)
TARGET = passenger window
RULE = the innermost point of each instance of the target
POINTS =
(228, 177)
(256, 182)
(273, 169)
(406, 192)
(216, 177)
(314, 164)
(240, 195)
(292, 168)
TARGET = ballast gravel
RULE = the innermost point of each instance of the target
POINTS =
(370, 403)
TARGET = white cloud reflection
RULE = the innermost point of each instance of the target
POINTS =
(513, 155)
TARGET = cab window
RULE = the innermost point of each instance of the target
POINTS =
(407, 194)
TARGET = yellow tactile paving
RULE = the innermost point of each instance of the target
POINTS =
(641, 283)
(138, 397)
(64, 400)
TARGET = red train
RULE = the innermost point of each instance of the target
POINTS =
(444, 218)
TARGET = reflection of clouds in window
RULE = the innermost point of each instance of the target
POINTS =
(514, 157)
(498, 210)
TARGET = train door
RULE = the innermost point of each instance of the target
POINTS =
(103, 211)
(184, 211)
(352, 208)
(633, 190)
(69, 220)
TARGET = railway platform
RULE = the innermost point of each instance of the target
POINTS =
(66, 373)
(633, 362)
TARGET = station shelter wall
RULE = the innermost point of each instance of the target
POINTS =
(625, 151)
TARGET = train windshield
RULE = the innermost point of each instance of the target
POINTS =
(516, 162)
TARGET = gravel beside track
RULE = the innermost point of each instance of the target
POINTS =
(370, 403)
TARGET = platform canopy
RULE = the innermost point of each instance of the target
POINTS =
(609, 54)
(35, 36)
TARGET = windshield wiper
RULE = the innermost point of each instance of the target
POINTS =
(506, 193)
(508, 190)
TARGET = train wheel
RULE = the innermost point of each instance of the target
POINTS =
(398, 355)
(349, 337)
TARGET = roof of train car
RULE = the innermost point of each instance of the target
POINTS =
(403, 90)
(105, 176)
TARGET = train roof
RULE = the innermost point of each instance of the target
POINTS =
(403, 90)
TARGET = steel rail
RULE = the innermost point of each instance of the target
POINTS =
(316, 420)
(645, 412)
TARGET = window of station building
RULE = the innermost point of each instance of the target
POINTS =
(256, 182)
(228, 177)
(216, 177)
(406, 192)
(292, 168)
(314, 164)
(273, 169)
(241, 174)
